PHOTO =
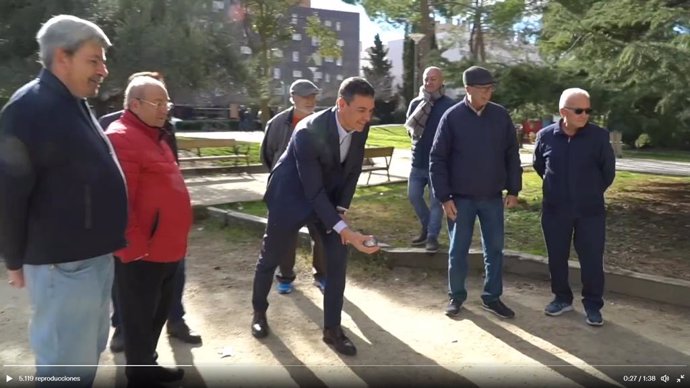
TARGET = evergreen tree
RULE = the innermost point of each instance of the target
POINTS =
(379, 74)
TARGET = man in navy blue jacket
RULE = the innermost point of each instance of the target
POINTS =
(423, 115)
(63, 203)
(576, 162)
(473, 159)
(313, 182)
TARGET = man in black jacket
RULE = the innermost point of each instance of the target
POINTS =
(576, 162)
(63, 204)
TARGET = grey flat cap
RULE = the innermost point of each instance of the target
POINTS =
(304, 88)
(477, 75)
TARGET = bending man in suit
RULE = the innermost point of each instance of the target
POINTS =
(314, 181)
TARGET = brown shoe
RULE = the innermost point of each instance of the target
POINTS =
(342, 344)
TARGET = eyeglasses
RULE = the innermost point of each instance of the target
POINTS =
(159, 105)
(579, 111)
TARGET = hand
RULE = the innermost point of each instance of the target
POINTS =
(16, 278)
(450, 209)
(511, 201)
(357, 240)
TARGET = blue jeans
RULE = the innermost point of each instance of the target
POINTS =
(429, 215)
(490, 213)
(70, 303)
(176, 313)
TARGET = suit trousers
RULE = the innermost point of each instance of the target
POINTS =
(286, 269)
(588, 234)
(281, 232)
(144, 291)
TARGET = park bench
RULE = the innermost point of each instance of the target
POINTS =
(372, 156)
(237, 152)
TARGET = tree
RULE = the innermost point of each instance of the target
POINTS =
(379, 74)
(266, 28)
(637, 52)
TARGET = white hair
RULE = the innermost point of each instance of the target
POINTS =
(69, 33)
(135, 88)
(565, 96)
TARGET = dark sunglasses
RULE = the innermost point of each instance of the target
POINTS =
(579, 111)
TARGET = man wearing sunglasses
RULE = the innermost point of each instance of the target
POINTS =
(474, 158)
(576, 162)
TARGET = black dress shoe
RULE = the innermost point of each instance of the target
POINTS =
(181, 331)
(259, 325)
(336, 337)
(166, 375)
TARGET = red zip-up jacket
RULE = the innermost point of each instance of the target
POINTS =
(160, 210)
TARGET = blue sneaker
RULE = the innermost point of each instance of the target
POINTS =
(594, 318)
(556, 308)
(284, 288)
(321, 283)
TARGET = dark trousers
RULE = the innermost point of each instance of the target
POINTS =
(144, 291)
(589, 235)
(282, 232)
(176, 313)
(286, 268)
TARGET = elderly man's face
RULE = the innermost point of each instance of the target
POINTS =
(433, 80)
(152, 108)
(479, 95)
(356, 114)
(84, 70)
(304, 105)
(576, 111)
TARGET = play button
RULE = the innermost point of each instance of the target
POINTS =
(8, 378)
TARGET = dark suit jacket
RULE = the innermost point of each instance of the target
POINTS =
(309, 177)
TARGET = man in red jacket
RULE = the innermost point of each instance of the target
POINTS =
(160, 217)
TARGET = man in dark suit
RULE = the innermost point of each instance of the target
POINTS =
(314, 181)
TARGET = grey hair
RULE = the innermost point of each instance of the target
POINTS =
(135, 88)
(565, 96)
(69, 33)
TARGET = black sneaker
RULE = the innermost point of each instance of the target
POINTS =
(453, 308)
(421, 239)
(497, 307)
(431, 245)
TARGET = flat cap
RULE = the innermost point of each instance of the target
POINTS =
(477, 75)
(303, 88)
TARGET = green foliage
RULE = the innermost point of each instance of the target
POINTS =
(328, 39)
(636, 52)
(207, 125)
(643, 141)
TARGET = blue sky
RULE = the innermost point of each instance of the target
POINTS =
(366, 26)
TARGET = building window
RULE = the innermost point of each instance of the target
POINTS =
(317, 75)
(339, 61)
(278, 53)
(218, 5)
(341, 43)
(246, 50)
(328, 78)
(314, 41)
(339, 77)
(328, 59)
(294, 19)
(296, 36)
(276, 73)
(295, 56)
(337, 26)
(297, 73)
(328, 23)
